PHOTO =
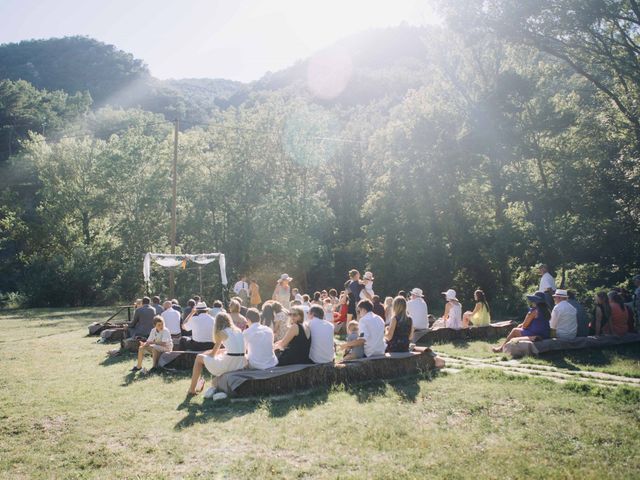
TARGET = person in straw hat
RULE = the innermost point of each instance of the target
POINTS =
(452, 311)
(282, 292)
(200, 323)
(564, 317)
(417, 310)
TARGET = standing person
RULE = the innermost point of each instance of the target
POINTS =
(322, 348)
(536, 323)
(241, 289)
(353, 287)
(564, 321)
(620, 315)
(282, 292)
(295, 346)
(155, 303)
(370, 331)
(452, 311)
(581, 314)
(254, 294)
(238, 319)
(258, 341)
(225, 334)
(200, 323)
(481, 315)
(143, 320)
(601, 314)
(158, 342)
(417, 310)
(172, 318)
(547, 282)
(400, 329)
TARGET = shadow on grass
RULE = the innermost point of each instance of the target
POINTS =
(596, 357)
(123, 357)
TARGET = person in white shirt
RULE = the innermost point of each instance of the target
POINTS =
(216, 309)
(241, 285)
(564, 317)
(370, 331)
(200, 323)
(367, 292)
(159, 341)
(171, 318)
(217, 362)
(417, 310)
(547, 282)
(258, 340)
(322, 346)
(452, 311)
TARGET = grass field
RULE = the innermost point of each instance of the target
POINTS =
(68, 412)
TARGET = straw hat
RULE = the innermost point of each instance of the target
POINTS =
(450, 295)
(285, 277)
(417, 292)
(201, 307)
(561, 293)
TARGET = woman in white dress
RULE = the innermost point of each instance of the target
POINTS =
(232, 358)
(282, 292)
(452, 311)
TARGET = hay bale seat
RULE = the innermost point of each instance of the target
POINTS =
(522, 346)
(443, 335)
(327, 375)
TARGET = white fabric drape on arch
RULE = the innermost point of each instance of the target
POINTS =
(168, 260)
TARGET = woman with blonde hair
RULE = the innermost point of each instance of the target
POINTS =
(238, 319)
(400, 329)
(226, 334)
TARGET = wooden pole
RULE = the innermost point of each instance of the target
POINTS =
(174, 192)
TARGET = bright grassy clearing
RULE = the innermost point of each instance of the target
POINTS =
(69, 413)
(617, 360)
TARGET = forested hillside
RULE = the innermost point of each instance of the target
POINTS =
(454, 156)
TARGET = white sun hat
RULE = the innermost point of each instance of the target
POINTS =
(285, 276)
(450, 295)
(202, 306)
(417, 292)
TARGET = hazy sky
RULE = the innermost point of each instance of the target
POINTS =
(236, 39)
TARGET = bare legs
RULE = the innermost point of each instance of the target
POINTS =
(196, 374)
(516, 332)
(465, 319)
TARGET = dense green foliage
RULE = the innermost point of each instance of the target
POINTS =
(457, 156)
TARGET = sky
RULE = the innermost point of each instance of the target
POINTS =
(234, 39)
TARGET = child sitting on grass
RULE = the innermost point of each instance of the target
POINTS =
(159, 341)
(353, 353)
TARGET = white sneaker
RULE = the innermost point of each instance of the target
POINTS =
(219, 396)
(210, 392)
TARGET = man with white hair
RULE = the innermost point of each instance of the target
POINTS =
(417, 310)
(171, 318)
(564, 320)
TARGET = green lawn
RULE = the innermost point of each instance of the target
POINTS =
(67, 412)
(617, 360)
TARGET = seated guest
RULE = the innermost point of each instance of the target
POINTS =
(280, 321)
(452, 311)
(342, 311)
(294, 347)
(480, 317)
(400, 329)
(581, 314)
(306, 301)
(243, 309)
(317, 299)
(333, 295)
(142, 320)
(155, 303)
(417, 310)
(190, 306)
(171, 318)
(176, 305)
(564, 319)
(201, 325)
(328, 309)
(370, 331)
(353, 353)
(253, 315)
(158, 342)
(322, 348)
(620, 315)
(238, 319)
(601, 314)
(225, 334)
(378, 308)
(536, 323)
(216, 308)
(258, 341)
(266, 315)
(388, 310)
